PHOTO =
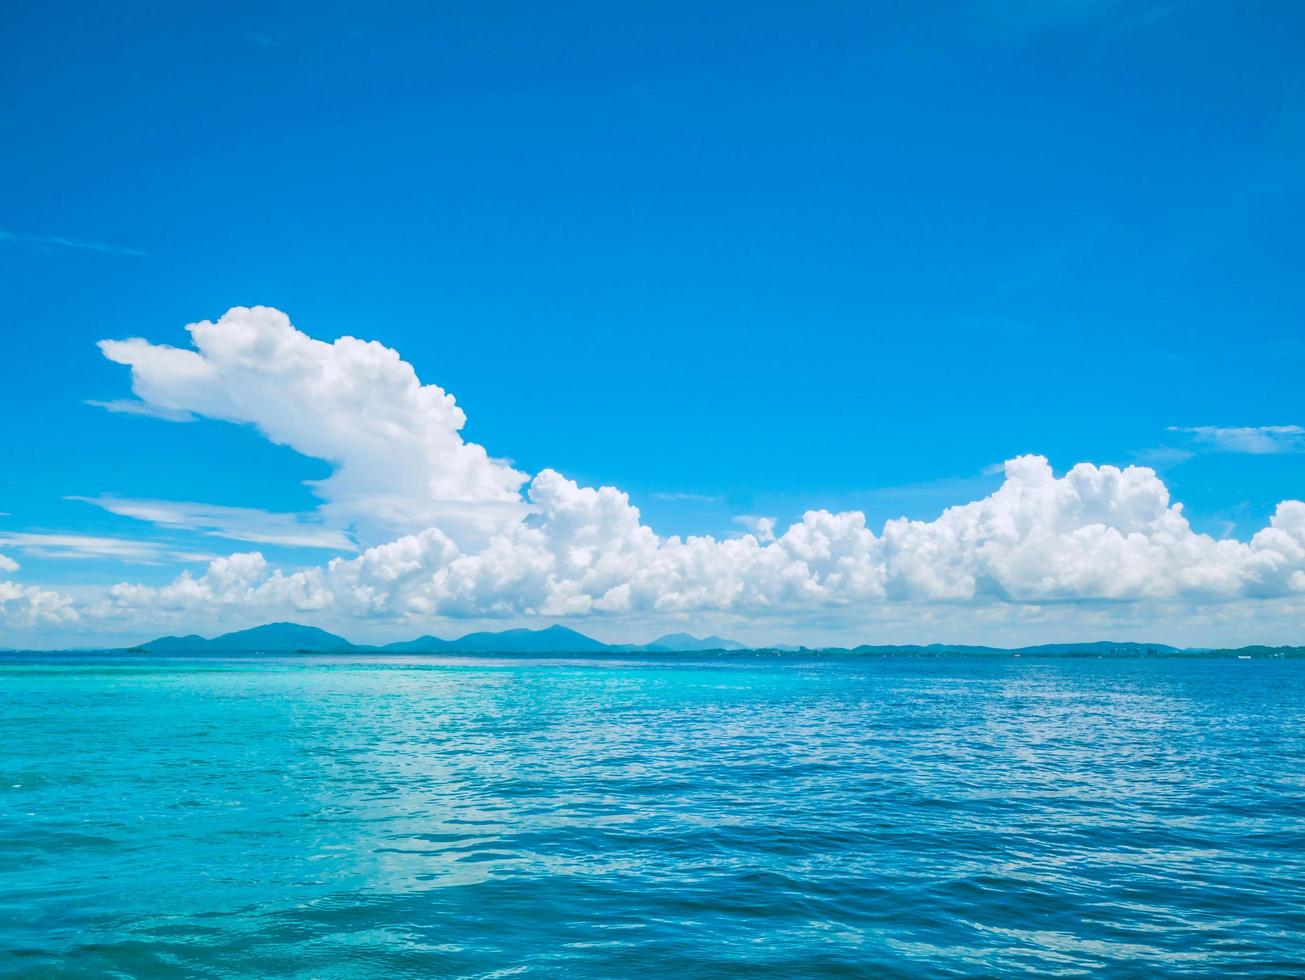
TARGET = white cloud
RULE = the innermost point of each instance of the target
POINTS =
(236, 523)
(463, 541)
(762, 527)
(1162, 457)
(1097, 533)
(697, 498)
(31, 606)
(242, 580)
(1254, 439)
(94, 546)
(400, 461)
(129, 406)
(58, 241)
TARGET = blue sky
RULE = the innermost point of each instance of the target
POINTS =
(734, 260)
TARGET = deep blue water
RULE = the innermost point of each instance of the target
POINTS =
(888, 817)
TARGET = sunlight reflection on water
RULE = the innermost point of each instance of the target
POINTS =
(342, 818)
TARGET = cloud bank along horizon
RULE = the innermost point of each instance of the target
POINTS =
(435, 527)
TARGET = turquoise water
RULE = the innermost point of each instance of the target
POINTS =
(888, 817)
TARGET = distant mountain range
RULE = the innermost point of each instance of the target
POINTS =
(554, 639)
(294, 638)
(271, 638)
(684, 643)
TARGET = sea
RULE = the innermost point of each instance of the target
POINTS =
(746, 816)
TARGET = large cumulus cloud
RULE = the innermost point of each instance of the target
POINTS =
(400, 462)
(31, 605)
(453, 535)
(1096, 533)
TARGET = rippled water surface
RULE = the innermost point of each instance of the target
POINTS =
(897, 817)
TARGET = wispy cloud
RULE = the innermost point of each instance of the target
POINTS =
(1161, 457)
(1144, 15)
(129, 406)
(947, 486)
(44, 545)
(701, 498)
(234, 523)
(260, 40)
(1254, 439)
(762, 527)
(1026, 19)
(58, 241)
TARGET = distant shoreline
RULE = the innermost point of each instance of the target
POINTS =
(1071, 652)
(291, 639)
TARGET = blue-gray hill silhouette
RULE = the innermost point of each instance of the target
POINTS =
(686, 643)
(296, 638)
(554, 639)
(269, 638)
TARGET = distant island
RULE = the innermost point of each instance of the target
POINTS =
(295, 638)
